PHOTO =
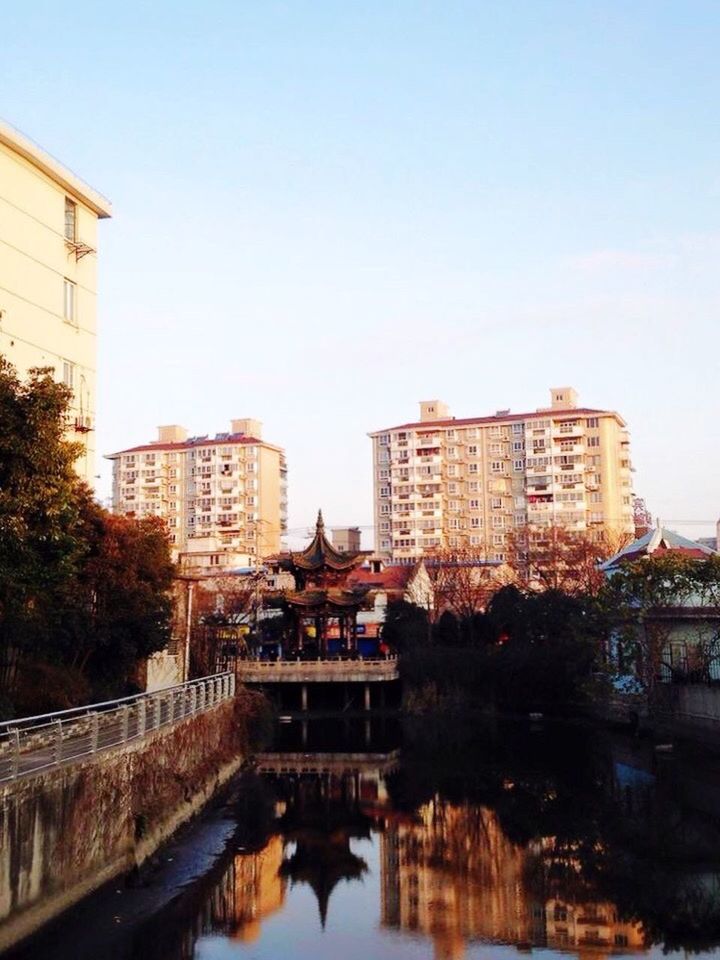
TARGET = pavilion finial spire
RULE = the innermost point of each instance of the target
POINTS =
(320, 526)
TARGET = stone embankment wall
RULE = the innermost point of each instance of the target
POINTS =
(66, 831)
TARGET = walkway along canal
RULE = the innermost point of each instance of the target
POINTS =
(89, 794)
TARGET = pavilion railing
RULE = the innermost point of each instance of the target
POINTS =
(32, 744)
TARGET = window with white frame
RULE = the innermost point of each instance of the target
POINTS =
(68, 377)
(69, 307)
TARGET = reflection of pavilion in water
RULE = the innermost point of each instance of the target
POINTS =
(454, 876)
(321, 807)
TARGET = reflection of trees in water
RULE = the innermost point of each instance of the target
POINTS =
(487, 835)
(584, 836)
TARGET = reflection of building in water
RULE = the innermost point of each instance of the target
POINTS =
(590, 928)
(251, 889)
(452, 874)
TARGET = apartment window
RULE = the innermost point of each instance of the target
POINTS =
(450, 435)
(452, 451)
(384, 474)
(593, 441)
(475, 522)
(474, 540)
(452, 470)
(471, 434)
(518, 465)
(474, 504)
(68, 300)
(384, 491)
(384, 508)
(473, 468)
(596, 497)
(472, 450)
(498, 521)
(518, 427)
(68, 374)
(518, 446)
(496, 503)
(496, 466)
(593, 422)
(70, 219)
(495, 448)
(453, 505)
(473, 486)
(494, 431)
(452, 488)
(498, 539)
(596, 517)
(384, 439)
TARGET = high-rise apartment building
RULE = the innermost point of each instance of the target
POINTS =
(442, 482)
(48, 284)
(224, 498)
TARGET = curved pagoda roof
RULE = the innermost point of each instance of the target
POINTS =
(321, 554)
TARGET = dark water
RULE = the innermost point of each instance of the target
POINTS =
(351, 840)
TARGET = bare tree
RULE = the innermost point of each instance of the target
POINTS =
(555, 558)
(462, 582)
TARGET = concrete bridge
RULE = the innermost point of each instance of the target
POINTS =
(349, 675)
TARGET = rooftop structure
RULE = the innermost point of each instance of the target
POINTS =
(657, 542)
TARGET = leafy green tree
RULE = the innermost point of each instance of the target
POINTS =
(40, 546)
(84, 594)
(640, 600)
(117, 611)
(406, 625)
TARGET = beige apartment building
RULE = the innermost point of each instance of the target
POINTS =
(442, 482)
(48, 276)
(224, 498)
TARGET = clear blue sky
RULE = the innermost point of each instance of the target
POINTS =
(327, 211)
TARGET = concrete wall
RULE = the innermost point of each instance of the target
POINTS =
(692, 705)
(66, 831)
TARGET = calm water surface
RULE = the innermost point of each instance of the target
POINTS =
(352, 842)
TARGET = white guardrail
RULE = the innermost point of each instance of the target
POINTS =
(31, 744)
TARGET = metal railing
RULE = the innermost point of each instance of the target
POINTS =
(31, 744)
(331, 668)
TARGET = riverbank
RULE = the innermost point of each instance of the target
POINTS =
(69, 830)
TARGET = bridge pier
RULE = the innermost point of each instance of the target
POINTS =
(367, 696)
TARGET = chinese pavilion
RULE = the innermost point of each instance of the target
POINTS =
(323, 607)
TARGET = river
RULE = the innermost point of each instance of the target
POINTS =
(353, 840)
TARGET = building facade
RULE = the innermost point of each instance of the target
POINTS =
(465, 484)
(224, 498)
(48, 276)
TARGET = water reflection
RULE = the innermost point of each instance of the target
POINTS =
(455, 846)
